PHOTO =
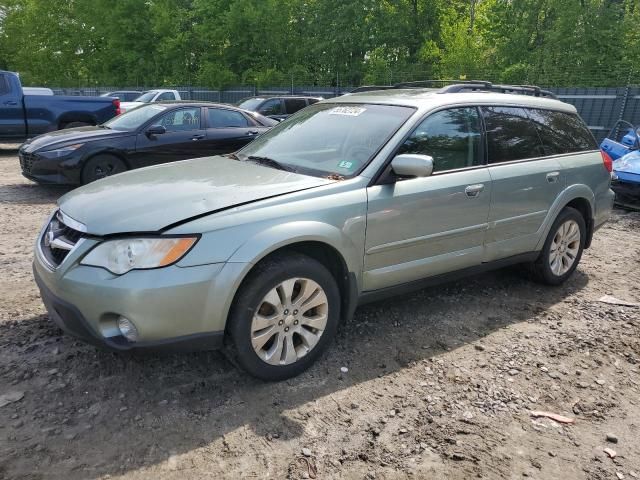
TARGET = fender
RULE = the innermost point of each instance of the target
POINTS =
(279, 236)
(567, 195)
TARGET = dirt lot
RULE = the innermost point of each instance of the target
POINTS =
(440, 384)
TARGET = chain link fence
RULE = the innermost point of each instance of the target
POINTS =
(600, 107)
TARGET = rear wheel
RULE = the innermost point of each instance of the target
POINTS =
(101, 166)
(562, 249)
(285, 314)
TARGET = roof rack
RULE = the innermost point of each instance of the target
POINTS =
(490, 87)
(455, 86)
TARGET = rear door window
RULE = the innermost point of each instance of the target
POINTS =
(221, 118)
(511, 135)
(451, 137)
(562, 132)
(4, 85)
(271, 107)
(166, 96)
(292, 105)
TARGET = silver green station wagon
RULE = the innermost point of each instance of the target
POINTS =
(349, 200)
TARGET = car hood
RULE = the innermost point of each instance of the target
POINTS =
(70, 136)
(629, 163)
(153, 198)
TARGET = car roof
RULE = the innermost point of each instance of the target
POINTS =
(196, 103)
(268, 97)
(430, 98)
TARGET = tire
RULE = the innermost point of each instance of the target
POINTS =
(285, 344)
(101, 166)
(76, 125)
(554, 269)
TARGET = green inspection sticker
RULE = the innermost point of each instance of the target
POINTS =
(345, 164)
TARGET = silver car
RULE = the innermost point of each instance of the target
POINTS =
(351, 199)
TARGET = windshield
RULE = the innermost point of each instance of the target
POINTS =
(146, 97)
(250, 103)
(134, 119)
(329, 139)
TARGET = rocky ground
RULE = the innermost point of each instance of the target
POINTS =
(440, 384)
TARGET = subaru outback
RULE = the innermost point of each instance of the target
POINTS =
(352, 199)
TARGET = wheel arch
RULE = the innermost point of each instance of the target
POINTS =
(323, 252)
(577, 196)
(71, 117)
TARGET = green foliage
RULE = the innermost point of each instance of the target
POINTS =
(216, 43)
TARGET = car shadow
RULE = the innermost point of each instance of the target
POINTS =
(112, 413)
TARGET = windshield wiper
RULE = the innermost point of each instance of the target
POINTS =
(269, 162)
(231, 155)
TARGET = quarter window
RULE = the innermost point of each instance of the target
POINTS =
(511, 135)
(451, 137)
(292, 105)
(181, 120)
(562, 132)
(220, 118)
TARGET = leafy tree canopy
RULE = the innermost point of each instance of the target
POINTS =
(217, 43)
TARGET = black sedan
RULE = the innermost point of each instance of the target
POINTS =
(148, 135)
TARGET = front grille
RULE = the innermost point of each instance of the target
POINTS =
(26, 161)
(58, 240)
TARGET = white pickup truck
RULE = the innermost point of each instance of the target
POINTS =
(150, 96)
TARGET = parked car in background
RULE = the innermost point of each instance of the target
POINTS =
(36, 91)
(24, 115)
(277, 108)
(151, 96)
(148, 135)
(347, 201)
(123, 95)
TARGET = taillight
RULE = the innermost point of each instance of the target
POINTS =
(606, 159)
(116, 103)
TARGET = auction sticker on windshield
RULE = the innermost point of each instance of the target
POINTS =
(349, 111)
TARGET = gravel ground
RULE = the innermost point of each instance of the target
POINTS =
(440, 383)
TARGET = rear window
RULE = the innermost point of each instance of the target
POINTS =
(511, 135)
(562, 132)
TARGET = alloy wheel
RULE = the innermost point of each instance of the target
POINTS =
(289, 321)
(564, 248)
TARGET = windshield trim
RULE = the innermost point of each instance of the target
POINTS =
(323, 174)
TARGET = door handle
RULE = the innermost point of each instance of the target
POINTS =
(11, 102)
(252, 132)
(552, 177)
(473, 191)
(197, 137)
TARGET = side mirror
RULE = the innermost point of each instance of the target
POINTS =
(155, 130)
(412, 165)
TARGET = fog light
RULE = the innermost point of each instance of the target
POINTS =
(127, 329)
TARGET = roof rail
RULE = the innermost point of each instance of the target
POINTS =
(370, 88)
(455, 86)
(490, 87)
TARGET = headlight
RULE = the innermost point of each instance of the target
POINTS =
(120, 256)
(61, 152)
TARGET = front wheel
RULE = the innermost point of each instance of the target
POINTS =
(285, 314)
(562, 249)
(101, 166)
